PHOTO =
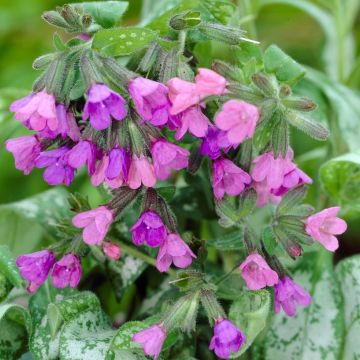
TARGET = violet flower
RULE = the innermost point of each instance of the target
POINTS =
(149, 229)
(102, 105)
(83, 153)
(35, 268)
(67, 123)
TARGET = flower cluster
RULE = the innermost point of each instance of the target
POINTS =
(121, 144)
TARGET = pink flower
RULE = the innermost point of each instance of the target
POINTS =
(264, 194)
(35, 267)
(238, 119)
(151, 339)
(66, 272)
(192, 120)
(112, 250)
(36, 111)
(141, 172)
(25, 151)
(151, 100)
(227, 338)
(182, 95)
(324, 225)
(288, 294)
(174, 250)
(272, 170)
(168, 157)
(228, 178)
(208, 83)
(95, 223)
(257, 273)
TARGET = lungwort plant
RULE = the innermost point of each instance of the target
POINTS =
(203, 245)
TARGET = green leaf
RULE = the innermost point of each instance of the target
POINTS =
(340, 178)
(122, 41)
(344, 105)
(167, 192)
(282, 65)
(348, 274)
(250, 313)
(33, 216)
(269, 240)
(107, 14)
(124, 273)
(247, 202)
(8, 267)
(290, 200)
(228, 242)
(15, 325)
(315, 332)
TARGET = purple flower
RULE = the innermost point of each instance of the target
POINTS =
(67, 123)
(324, 225)
(58, 170)
(151, 100)
(35, 267)
(168, 157)
(228, 178)
(25, 151)
(151, 339)
(95, 223)
(257, 273)
(288, 294)
(103, 104)
(150, 229)
(66, 272)
(174, 250)
(36, 111)
(213, 142)
(83, 153)
(113, 169)
(227, 338)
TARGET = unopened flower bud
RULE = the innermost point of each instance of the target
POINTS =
(112, 250)
(299, 103)
(185, 20)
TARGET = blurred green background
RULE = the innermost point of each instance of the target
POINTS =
(24, 36)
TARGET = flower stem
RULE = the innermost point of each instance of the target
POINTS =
(224, 277)
(130, 250)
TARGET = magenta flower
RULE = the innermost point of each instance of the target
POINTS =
(227, 338)
(208, 83)
(257, 273)
(36, 111)
(151, 100)
(102, 105)
(272, 170)
(112, 250)
(25, 150)
(192, 120)
(66, 272)
(182, 95)
(141, 172)
(168, 157)
(95, 223)
(265, 194)
(228, 178)
(174, 250)
(149, 229)
(238, 119)
(58, 171)
(67, 123)
(151, 339)
(323, 227)
(83, 153)
(288, 294)
(35, 268)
